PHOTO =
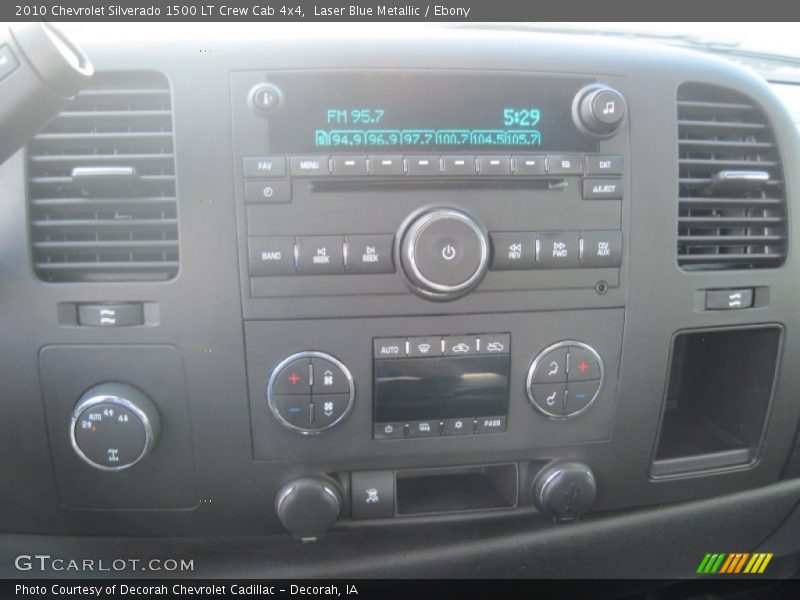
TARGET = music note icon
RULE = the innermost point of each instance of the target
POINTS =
(609, 108)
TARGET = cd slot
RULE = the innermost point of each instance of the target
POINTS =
(371, 185)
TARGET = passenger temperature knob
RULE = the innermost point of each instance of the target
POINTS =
(564, 491)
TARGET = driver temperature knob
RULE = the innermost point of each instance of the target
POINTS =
(564, 491)
(309, 506)
(444, 253)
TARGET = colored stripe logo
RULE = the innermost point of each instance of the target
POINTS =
(734, 563)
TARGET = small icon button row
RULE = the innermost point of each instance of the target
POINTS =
(522, 250)
(458, 165)
(320, 255)
(452, 345)
(439, 427)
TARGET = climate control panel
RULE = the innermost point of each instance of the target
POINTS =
(310, 392)
(565, 379)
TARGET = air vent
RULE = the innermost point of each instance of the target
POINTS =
(732, 207)
(101, 184)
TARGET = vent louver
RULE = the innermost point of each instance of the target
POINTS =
(732, 209)
(101, 184)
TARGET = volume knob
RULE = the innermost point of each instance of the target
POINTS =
(444, 253)
(598, 110)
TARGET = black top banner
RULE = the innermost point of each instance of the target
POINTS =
(244, 11)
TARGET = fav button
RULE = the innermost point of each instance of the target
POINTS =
(264, 166)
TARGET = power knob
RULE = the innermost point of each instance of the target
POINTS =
(309, 506)
(444, 253)
(564, 491)
(598, 110)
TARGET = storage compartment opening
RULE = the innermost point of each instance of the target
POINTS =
(459, 489)
(718, 396)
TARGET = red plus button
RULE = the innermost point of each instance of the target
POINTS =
(583, 365)
(293, 378)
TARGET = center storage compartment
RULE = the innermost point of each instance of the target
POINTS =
(718, 398)
(458, 489)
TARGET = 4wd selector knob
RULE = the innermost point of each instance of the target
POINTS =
(598, 110)
(114, 426)
(444, 253)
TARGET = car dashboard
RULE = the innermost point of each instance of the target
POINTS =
(450, 303)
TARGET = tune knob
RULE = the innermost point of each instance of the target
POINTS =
(309, 506)
(114, 426)
(598, 110)
(564, 491)
(444, 253)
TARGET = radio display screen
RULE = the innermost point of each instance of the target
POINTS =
(415, 389)
(379, 112)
